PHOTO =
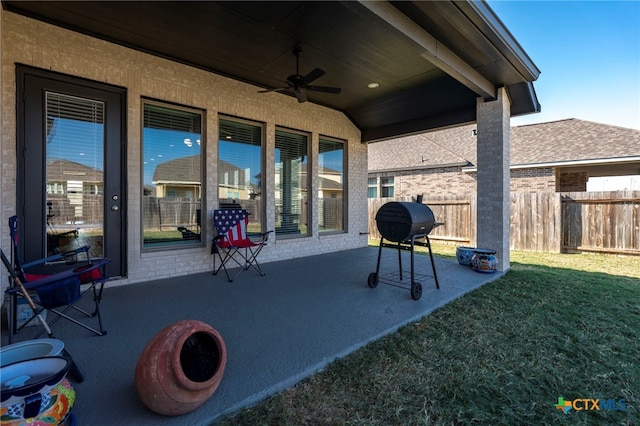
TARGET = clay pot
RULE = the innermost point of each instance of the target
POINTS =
(180, 368)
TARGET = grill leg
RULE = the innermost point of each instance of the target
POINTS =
(379, 255)
(399, 261)
(433, 265)
(412, 261)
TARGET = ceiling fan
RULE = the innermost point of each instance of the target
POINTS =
(299, 83)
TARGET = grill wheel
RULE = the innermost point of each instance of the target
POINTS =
(373, 280)
(416, 290)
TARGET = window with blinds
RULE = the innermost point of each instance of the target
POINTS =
(74, 170)
(330, 185)
(172, 175)
(291, 183)
(240, 168)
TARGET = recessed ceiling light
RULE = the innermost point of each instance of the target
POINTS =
(373, 85)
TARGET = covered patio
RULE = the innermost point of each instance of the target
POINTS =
(278, 329)
(401, 68)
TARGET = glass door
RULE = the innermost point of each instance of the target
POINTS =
(70, 179)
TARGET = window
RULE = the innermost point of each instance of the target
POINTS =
(240, 168)
(75, 165)
(386, 186)
(372, 190)
(172, 178)
(291, 183)
(330, 185)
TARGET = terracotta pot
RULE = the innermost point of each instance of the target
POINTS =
(181, 367)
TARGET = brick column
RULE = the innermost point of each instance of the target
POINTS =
(493, 144)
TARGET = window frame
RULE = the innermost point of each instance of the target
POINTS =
(343, 172)
(184, 243)
(309, 196)
(263, 163)
(385, 185)
(373, 186)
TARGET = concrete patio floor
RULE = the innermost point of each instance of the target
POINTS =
(278, 329)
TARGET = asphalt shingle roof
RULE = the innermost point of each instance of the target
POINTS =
(556, 141)
(183, 169)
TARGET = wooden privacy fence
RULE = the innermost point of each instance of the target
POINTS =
(169, 213)
(545, 222)
(601, 221)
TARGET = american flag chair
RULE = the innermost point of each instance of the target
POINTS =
(233, 245)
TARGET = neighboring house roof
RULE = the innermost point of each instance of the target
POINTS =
(454, 146)
(572, 140)
(182, 170)
(325, 184)
(64, 170)
(186, 170)
(563, 141)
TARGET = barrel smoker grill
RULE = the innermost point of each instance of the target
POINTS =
(404, 225)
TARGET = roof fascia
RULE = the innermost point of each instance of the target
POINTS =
(508, 45)
(434, 50)
(431, 166)
(600, 161)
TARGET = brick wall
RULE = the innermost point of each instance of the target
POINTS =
(572, 181)
(430, 182)
(453, 181)
(533, 180)
(45, 46)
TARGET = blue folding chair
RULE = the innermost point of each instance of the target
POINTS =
(59, 292)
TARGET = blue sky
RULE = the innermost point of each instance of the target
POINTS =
(588, 53)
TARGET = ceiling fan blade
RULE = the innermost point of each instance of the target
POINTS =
(324, 89)
(302, 97)
(315, 74)
(277, 89)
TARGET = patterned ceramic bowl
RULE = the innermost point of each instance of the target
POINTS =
(464, 255)
(26, 385)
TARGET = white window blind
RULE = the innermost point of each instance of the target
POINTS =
(240, 168)
(172, 175)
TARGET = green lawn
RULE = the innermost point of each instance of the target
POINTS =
(556, 325)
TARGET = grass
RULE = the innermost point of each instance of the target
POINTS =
(556, 325)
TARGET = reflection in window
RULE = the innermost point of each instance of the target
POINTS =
(74, 170)
(240, 168)
(292, 182)
(330, 185)
(171, 164)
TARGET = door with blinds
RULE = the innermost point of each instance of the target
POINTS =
(70, 188)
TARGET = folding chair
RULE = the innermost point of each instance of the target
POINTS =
(59, 291)
(233, 244)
